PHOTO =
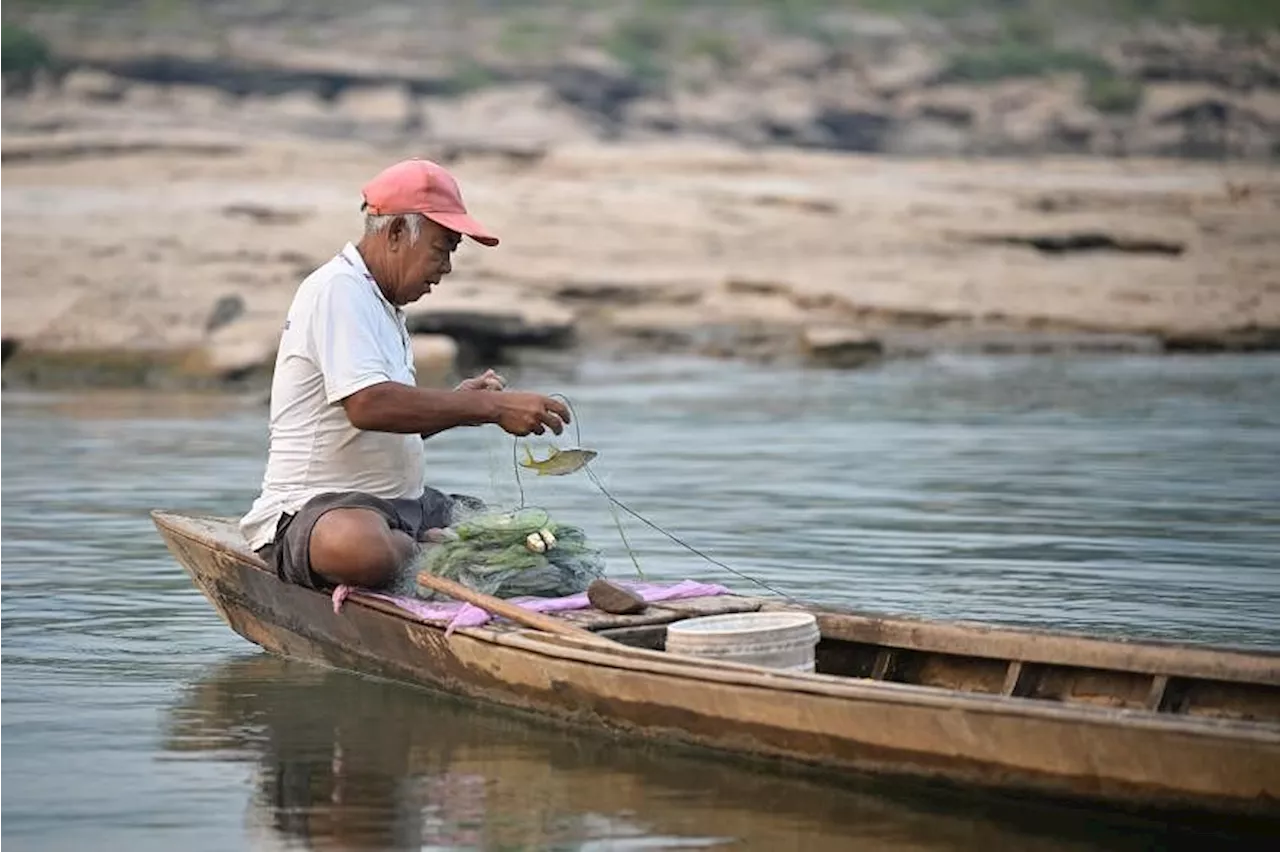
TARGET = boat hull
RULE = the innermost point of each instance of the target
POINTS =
(849, 725)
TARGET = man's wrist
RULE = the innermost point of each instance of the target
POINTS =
(487, 406)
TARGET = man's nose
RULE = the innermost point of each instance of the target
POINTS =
(447, 266)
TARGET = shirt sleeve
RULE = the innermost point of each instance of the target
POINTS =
(344, 339)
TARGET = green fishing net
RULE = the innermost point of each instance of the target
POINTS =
(492, 553)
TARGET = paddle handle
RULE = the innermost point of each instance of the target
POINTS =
(497, 606)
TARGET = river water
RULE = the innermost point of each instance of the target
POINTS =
(1127, 496)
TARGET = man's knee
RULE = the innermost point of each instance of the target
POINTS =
(357, 547)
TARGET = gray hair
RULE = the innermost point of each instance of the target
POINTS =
(374, 224)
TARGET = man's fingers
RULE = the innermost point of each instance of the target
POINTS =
(488, 380)
(532, 414)
(559, 409)
(551, 419)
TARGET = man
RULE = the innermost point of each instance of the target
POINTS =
(344, 497)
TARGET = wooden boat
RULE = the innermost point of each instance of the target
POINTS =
(1139, 724)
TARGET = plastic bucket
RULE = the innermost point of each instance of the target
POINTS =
(778, 640)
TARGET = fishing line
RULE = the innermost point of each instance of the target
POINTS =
(573, 415)
(689, 547)
(577, 434)
(617, 522)
(515, 465)
(614, 501)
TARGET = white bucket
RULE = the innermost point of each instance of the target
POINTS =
(778, 640)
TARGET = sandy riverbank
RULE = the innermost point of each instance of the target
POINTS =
(174, 261)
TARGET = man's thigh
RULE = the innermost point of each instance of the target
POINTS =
(356, 546)
(290, 556)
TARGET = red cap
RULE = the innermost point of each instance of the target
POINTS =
(421, 186)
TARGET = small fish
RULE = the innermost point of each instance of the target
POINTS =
(559, 462)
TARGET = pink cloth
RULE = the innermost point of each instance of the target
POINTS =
(340, 597)
(456, 614)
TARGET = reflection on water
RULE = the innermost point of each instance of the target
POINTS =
(1131, 496)
(348, 763)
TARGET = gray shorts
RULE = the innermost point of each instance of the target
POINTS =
(290, 554)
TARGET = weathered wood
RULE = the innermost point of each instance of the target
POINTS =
(653, 637)
(497, 606)
(1171, 658)
(1011, 678)
(1155, 696)
(1094, 753)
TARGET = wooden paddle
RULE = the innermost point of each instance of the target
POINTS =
(497, 606)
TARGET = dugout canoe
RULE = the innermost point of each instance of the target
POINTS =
(1138, 724)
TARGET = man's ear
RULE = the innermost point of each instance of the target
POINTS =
(396, 231)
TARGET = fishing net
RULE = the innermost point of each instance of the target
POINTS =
(508, 554)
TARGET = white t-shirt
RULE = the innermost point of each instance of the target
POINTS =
(342, 335)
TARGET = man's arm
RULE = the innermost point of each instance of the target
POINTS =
(395, 407)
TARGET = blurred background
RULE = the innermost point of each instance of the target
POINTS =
(794, 180)
(952, 309)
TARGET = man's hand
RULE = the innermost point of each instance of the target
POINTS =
(394, 407)
(523, 413)
(488, 380)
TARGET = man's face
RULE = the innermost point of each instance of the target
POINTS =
(417, 267)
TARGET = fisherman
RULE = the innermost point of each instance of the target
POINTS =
(344, 498)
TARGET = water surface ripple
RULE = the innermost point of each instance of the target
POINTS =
(1125, 496)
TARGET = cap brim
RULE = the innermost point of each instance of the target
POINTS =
(464, 224)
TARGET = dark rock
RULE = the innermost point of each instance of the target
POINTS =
(225, 311)
(239, 77)
(1200, 57)
(264, 215)
(840, 347)
(1018, 342)
(856, 129)
(596, 91)
(1075, 132)
(100, 369)
(1247, 339)
(1212, 108)
(482, 335)
(956, 115)
(515, 153)
(618, 294)
(1081, 241)
(808, 204)
(607, 597)
(236, 77)
(750, 287)
(45, 150)
(8, 346)
(602, 292)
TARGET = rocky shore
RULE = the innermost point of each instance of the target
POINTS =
(816, 204)
(1018, 78)
(174, 264)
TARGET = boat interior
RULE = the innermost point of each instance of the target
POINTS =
(1159, 677)
(1165, 678)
